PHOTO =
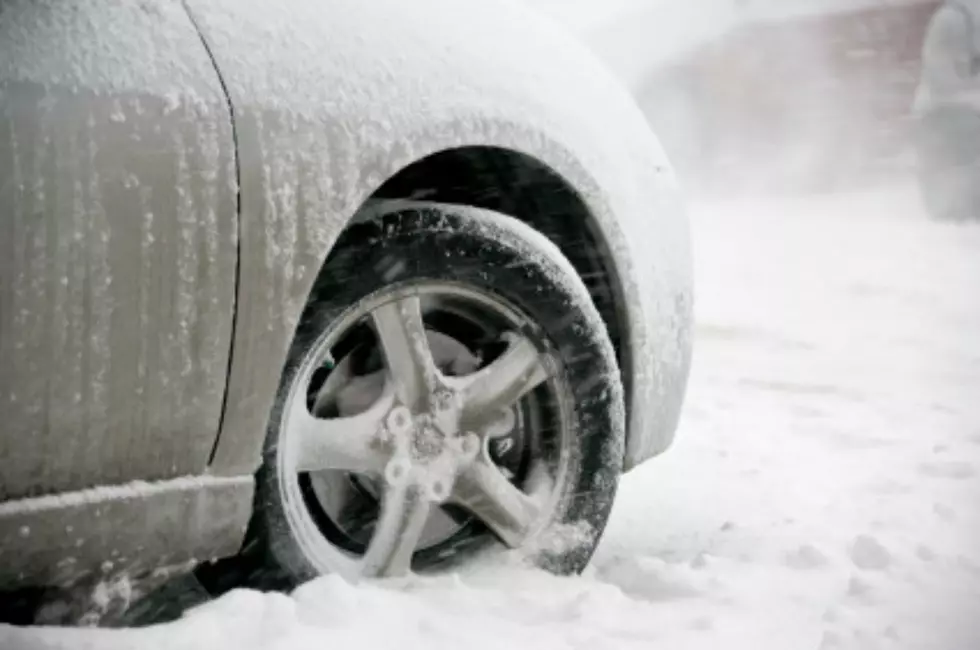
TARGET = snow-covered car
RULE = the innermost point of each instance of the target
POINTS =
(327, 286)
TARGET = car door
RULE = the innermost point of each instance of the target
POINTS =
(118, 245)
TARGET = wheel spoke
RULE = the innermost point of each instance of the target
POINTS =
(516, 372)
(343, 443)
(404, 510)
(503, 507)
(406, 350)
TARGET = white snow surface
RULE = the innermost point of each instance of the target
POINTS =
(821, 493)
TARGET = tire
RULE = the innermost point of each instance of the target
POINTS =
(567, 433)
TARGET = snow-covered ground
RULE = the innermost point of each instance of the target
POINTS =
(823, 492)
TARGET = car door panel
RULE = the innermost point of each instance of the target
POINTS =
(118, 246)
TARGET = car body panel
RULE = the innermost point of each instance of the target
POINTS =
(333, 98)
(118, 245)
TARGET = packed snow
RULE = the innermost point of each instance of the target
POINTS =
(821, 493)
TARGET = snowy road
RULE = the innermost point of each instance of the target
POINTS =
(824, 491)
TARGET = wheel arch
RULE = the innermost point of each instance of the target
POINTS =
(501, 176)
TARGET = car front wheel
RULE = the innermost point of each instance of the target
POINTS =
(451, 389)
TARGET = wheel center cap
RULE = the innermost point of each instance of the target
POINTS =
(432, 435)
(428, 442)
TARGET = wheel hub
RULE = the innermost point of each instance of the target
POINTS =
(428, 449)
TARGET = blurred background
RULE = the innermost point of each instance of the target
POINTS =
(773, 96)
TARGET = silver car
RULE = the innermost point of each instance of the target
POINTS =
(330, 285)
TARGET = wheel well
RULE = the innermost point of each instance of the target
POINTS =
(517, 185)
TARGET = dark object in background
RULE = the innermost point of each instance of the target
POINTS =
(948, 144)
(948, 106)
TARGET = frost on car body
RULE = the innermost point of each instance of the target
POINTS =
(180, 172)
(117, 268)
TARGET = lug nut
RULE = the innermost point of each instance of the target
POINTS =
(399, 421)
(438, 491)
(397, 470)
